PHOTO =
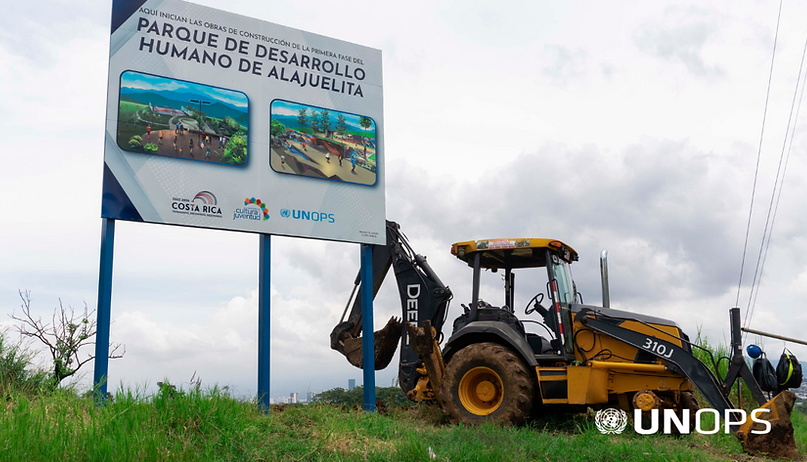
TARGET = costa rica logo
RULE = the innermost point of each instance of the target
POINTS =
(204, 204)
(254, 209)
(206, 197)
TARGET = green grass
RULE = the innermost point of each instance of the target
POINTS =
(39, 423)
(209, 426)
(127, 107)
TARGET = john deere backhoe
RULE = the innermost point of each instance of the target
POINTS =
(492, 369)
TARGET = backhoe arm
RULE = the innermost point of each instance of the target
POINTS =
(423, 298)
(778, 442)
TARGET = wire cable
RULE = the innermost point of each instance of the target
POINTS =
(777, 195)
(759, 154)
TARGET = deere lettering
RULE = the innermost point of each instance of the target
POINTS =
(412, 294)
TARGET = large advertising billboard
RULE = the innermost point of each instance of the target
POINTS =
(217, 120)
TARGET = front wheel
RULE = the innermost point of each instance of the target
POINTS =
(487, 382)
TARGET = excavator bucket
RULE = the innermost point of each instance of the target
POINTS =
(386, 342)
(779, 442)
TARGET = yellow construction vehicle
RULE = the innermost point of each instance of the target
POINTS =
(493, 369)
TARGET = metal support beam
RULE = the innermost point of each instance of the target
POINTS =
(104, 310)
(264, 332)
(475, 289)
(780, 337)
(368, 343)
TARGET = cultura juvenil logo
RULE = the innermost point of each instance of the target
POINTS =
(253, 209)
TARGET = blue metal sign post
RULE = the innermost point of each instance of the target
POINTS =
(264, 331)
(104, 310)
(367, 343)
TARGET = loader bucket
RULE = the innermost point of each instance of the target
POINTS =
(386, 342)
(779, 443)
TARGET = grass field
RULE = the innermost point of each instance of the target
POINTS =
(127, 107)
(209, 426)
(40, 423)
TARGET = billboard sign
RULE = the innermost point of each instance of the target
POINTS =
(217, 120)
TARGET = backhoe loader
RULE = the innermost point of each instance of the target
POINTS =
(492, 368)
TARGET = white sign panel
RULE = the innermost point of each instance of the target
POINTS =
(217, 120)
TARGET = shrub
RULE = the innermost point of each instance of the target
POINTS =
(17, 372)
(235, 153)
(136, 142)
(151, 148)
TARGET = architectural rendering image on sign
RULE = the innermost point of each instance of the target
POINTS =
(174, 118)
(321, 143)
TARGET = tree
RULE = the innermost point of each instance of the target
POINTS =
(341, 124)
(325, 121)
(64, 336)
(232, 125)
(302, 118)
(365, 123)
(391, 396)
(277, 128)
(314, 121)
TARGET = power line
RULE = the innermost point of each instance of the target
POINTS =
(759, 154)
(752, 300)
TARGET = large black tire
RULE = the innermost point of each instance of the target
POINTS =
(486, 382)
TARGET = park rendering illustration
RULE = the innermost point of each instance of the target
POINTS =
(186, 120)
(321, 143)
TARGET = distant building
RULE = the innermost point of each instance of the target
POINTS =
(293, 398)
(351, 384)
(309, 397)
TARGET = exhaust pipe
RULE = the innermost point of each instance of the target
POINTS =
(606, 295)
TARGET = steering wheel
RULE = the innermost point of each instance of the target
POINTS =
(538, 298)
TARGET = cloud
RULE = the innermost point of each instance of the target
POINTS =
(681, 35)
(564, 64)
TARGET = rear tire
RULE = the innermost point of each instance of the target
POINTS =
(486, 382)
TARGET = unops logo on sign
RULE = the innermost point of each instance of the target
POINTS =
(611, 420)
(306, 215)
(615, 420)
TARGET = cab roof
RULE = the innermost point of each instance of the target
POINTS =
(512, 253)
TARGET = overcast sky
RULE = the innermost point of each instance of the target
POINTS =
(627, 126)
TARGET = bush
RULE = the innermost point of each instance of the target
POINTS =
(136, 142)
(235, 153)
(391, 396)
(17, 372)
(151, 148)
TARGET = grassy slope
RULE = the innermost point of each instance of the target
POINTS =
(205, 426)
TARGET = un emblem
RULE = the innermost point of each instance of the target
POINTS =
(284, 213)
(611, 420)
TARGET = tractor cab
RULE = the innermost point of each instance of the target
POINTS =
(553, 309)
